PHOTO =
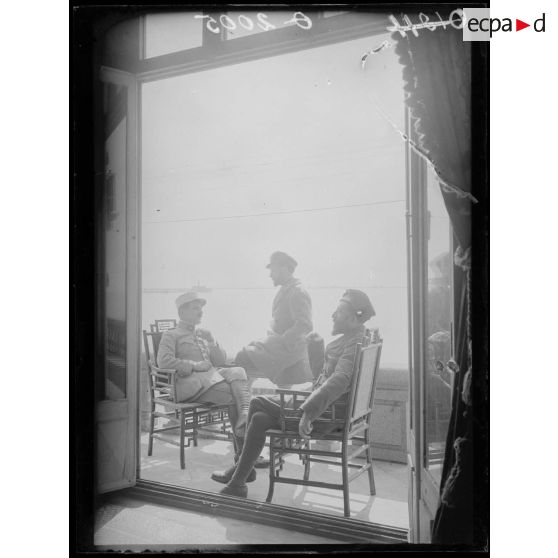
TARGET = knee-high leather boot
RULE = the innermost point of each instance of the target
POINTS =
(242, 396)
(225, 476)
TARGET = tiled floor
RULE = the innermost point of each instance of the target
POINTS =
(387, 507)
(126, 523)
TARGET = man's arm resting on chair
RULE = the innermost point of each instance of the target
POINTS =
(334, 387)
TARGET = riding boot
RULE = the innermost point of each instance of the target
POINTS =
(242, 396)
(239, 446)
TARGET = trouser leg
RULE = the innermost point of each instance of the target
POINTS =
(221, 394)
(242, 359)
(237, 380)
(261, 418)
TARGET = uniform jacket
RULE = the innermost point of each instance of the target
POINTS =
(183, 346)
(285, 344)
(335, 380)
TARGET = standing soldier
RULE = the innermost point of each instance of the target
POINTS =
(282, 356)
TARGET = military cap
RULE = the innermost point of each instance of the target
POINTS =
(360, 302)
(282, 259)
(185, 298)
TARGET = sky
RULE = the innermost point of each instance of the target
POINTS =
(291, 137)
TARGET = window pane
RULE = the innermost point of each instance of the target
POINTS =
(438, 334)
(283, 153)
(277, 137)
(114, 215)
(166, 33)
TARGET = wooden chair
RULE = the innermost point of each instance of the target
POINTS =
(351, 415)
(188, 418)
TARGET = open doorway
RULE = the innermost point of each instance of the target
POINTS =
(241, 142)
(298, 153)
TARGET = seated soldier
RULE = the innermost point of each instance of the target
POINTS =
(353, 311)
(198, 360)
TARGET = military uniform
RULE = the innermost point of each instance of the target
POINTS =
(181, 347)
(283, 356)
(332, 385)
(334, 382)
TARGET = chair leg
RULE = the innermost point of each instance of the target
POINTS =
(182, 433)
(307, 463)
(151, 428)
(195, 429)
(345, 474)
(271, 472)
(368, 442)
(223, 420)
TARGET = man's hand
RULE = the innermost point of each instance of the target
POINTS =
(206, 334)
(202, 366)
(305, 427)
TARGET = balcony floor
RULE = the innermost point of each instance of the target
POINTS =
(124, 523)
(387, 507)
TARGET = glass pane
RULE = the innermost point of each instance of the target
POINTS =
(172, 32)
(114, 214)
(438, 334)
(284, 153)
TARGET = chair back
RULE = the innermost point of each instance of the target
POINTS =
(161, 385)
(151, 342)
(364, 381)
(162, 325)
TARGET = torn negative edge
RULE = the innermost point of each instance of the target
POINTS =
(445, 185)
(384, 45)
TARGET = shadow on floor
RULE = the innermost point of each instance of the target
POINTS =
(388, 506)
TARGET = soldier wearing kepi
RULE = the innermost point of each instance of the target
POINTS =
(198, 360)
(353, 311)
(282, 356)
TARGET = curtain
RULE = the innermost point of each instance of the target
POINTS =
(437, 75)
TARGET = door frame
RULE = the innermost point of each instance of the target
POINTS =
(425, 489)
(417, 316)
(182, 63)
(126, 410)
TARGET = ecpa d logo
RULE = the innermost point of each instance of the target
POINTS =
(479, 26)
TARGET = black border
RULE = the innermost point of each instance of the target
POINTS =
(83, 19)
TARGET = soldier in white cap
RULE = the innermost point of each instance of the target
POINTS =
(282, 356)
(353, 311)
(199, 362)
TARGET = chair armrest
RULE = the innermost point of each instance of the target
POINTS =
(158, 370)
(279, 391)
(290, 401)
(296, 399)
